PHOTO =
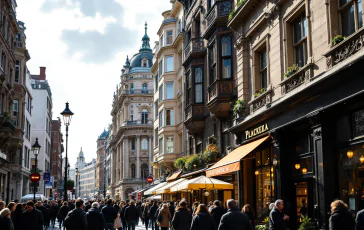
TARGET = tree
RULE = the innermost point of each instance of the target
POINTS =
(70, 184)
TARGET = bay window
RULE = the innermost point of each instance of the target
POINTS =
(169, 117)
(169, 37)
(17, 71)
(170, 145)
(169, 90)
(161, 145)
(226, 56)
(169, 64)
(160, 93)
(160, 119)
(212, 56)
(16, 111)
(198, 85)
(160, 66)
(188, 88)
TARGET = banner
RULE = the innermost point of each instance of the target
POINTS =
(50, 183)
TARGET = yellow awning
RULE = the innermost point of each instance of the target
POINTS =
(152, 190)
(166, 188)
(231, 162)
(202, 182)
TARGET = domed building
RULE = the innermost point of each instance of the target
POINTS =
(132, 122)
(80, 164)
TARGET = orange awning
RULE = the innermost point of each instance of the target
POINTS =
(174, 176)
(231, 162)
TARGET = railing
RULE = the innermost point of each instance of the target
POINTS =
(194, 111)
(196, 45)
(303, 75)
(139, 77)
(137, 91)
(126, 123)
(262, 100)
(220, 9)
(140, 69)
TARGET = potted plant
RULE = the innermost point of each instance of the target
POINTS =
(291, 70)
(259, 92)
(5, 116)
(239, 107)
(192, 161)
(337, 39)
(210, 153)
(306, 224)
(180, 162)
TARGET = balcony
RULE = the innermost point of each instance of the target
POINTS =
(7, 130)
(242, 11)
(302, 76)
(220, 95)
(217, 16)
(261, 101)
(167, 157)
(136, 91)
(345, 49)
(195, 48)
(137, 123)
(195, 120)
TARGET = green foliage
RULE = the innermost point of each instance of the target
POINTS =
(260, 92)
(260, 227)
(231, 15)
(210, 153)
(70, 184)
(5, 116)
(239, 4)
(291, 70)
(180, 162)
(306, 224)
(192, 161)
(266, 223)
(239, 107)
(337, 39)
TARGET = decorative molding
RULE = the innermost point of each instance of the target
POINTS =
(316, 133)
(240, 41)
(303, 75)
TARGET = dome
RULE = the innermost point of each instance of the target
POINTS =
(103, 134)
(136, 60)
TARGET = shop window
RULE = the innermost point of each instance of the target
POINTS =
(351, 16)
(304, 165)
(198, 86)
(226, 56)
(300, 40)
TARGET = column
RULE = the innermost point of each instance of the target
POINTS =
(20, 191)
(150, 149)
(126, 158)
(121, 161)
(138, 157)
(112, 166)
(117, 160)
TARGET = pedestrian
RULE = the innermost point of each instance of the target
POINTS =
(194, 208)
(95, 219)
(122, 214)
(341, 217)
(117, 207)
(359, 220)
(32, 218)
(146, 214)
(2, 205)
(53, 213)
(5, 220)
(71, 205)
(62, 213)
(11, 206)
(233, 219)
(164, 217)
(172, 210)
(138, 205)
(110, 215)
(131, 215)
(152, 215)
(16, 216)
(247, 209)
(87, 206)
(76, 219)
(217, 211)
(182, 218)
(46, 215)
(202, 219)
(142, 207)
(277, 218)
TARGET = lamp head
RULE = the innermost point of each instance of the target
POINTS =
(36, 147)
(67, 115)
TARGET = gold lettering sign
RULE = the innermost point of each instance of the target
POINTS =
(256, 131)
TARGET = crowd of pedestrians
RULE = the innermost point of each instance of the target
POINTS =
(155, 215)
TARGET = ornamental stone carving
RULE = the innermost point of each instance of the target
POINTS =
(240, 42)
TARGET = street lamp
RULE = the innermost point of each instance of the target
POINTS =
(76, 183)
(35, 149)
(105, 177)
(67, 116)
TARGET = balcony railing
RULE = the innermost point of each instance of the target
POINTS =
(137, 91)
(196, 45)
(132, 123)
(260, 101)
(194, 111)
(303, 75)
(220, 9)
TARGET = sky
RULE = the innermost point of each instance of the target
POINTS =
(83, 44)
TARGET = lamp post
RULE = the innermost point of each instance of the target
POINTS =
(79, 183)
(35, 149)
(76, 183)
(67, 116)
(105, 177)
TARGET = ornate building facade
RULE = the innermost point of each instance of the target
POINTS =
(132, 122)
(100, 162)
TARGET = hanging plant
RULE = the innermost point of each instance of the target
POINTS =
(260, 92)
(192, 162)
(239, 107)
(291, 70)
(212, 139)
(306, 224)
(180, 162)
(210, 153)
(337, 39)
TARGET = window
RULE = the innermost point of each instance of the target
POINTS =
(15, 111)
(169, 64)
(169, 37)
(190, 140)
(144, 171)
(156, 83)
(160, 93)
(169, 117)
(132, 170)
(161, 41)
(160, 119)
(180, 28)
(144, 144)
(161, 145)
(131, 117)
(351, 16)
(188, 88)
(300, 40)
(211, 3)
(155, 137)
(144, 63)
(160, 66)
(156, 109)
(17, 71)
(226, 56)
(198, 85)
(263, 69)
(145, 88)
(169, 145)
(212, 56)
(169, 90)
(133, 144)
(132, 88)
(144, 116)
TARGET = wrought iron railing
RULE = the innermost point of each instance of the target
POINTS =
(196, 45)
(220, 9)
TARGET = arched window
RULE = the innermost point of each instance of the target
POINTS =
(145, 144)
(145, 88)
(144, 171)
(132, 170)
(144, 116)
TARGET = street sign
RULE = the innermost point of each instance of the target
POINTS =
(150, 179)
(46, 177)
(49, 184)
(35, 177)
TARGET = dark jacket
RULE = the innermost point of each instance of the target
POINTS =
(131, 213)
(122, 212)
(203, 221)
(235, 220)
(172, 210)
(71, 206)
(6, 223)
(87, 207)
(17, 218)
(117, 208)
(76, 220)
(359, 221)
(276, 221)
(341, 219)
(110, 213)
(42, 209)
(146, 212)
(95, 219)
(53, 211)
(63, 211)
(32, 220)
(153, 211)
(217, 212)
(182, 219)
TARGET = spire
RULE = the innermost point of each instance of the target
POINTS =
(127, 62)
(145, 39)
(81, 149)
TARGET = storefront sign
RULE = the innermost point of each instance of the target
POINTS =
(358, 123)
(254, 132)
(223, 169)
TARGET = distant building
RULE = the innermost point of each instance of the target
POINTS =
(87, 180)
(56, 158)
(100, 162)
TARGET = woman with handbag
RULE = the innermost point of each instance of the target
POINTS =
(164, 217)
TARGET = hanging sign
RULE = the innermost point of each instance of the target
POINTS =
(35, 177)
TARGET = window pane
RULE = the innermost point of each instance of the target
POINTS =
(297, 27)
(161, 119)
(160, 68)
(212, 74)
(226, 46)
(161, 145)
(169, 64)
(198, 75)
(226, 69)
(343, 2)
(169, 145)
(264, 192)
(169, 117)
(348, 21)
(360, 13)
(300, 57)
(169, 37)
(198, 93)
(169, 90)
(263, 59)
(264, 80)
(304, 32)
(161, 93)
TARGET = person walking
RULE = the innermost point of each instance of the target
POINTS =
(53, 213)
(5, 220)
(182, 218)
(16, 217)
(76, 219)
(277, 218)
(164, 217)
(95, 219)
(202, 220)
(233, 219)
(146, 214)
(110, 215)
(11, 206)
(341, 217)
(131, 215)
(247, 210)
(2, 205)
(217, 211)
(152, 215)
(359, 220)
(62, 213)
(121, 215)
(172, 210)
(32, 219)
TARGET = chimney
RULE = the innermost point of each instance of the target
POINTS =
(42, 73)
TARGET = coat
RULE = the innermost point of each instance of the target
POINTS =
(341, 219)
(276, 221)
(152, 212)
(6, 223)
(203, 221)
(32, 220)
(217, 212)
(76, 220)
(359, 220)
(146, 212)
(95, 219)
(110, 213)
(16, 217)
(131, 213)
(63, 211)
(166, 217)
(182, 219)
(235, 220)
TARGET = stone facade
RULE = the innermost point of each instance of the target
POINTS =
(57, 150)
(100, 162)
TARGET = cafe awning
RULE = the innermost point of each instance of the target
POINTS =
(202, 182)
(155, 197)
(174, 176)
(231, 162)
(166, 188)
(152, 190)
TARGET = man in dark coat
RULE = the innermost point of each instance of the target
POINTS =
(277, 218)
(359, 220)
(32, 218)
(95, 219)
(53, 213)
(152, 215)
(62, 213)
(217, 212)
(182, 218)
(131, 215)
(76, 219)
(87, 206)
(122, 214)
(234, 219)
(71, 205)
(110, 215)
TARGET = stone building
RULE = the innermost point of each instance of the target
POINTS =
(132, 122)
(87, 180)
(100, 162)
(168, 74)
(56, 158)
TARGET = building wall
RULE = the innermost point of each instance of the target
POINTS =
(57, 150)
(101, 146)
(87, 179)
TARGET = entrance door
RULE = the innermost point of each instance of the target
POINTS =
(304, 200)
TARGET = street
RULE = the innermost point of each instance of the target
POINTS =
(139, 227)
